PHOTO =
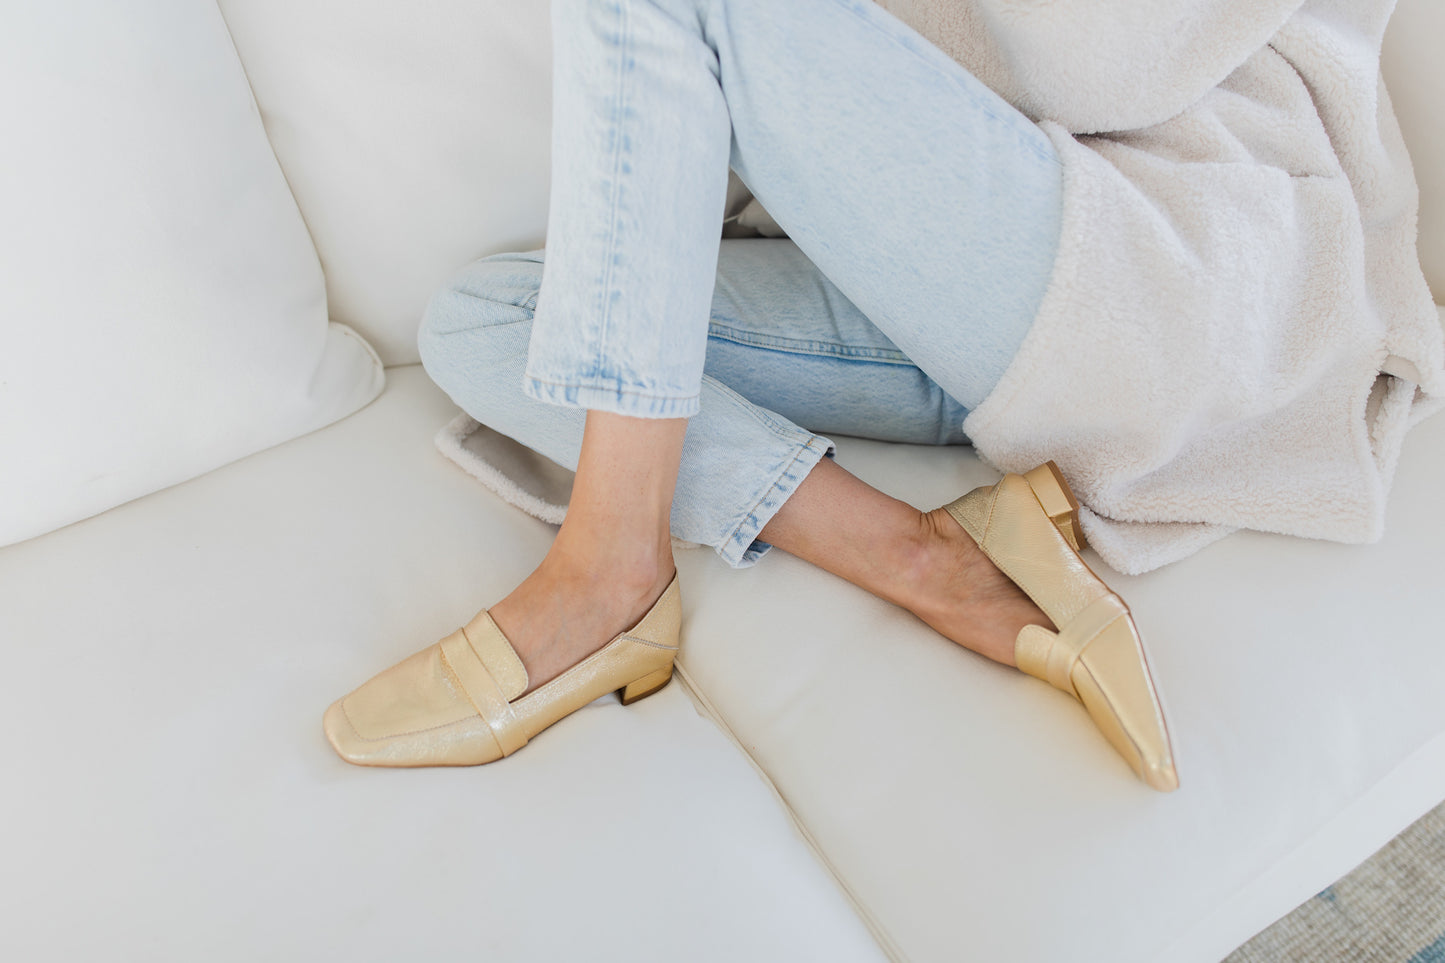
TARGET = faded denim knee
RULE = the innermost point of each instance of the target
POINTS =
(474, 334)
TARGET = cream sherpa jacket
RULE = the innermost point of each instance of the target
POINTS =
(1237, 333)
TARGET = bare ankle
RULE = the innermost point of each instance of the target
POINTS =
(919, 557)
(625, 571)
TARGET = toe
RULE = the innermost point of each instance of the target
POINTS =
(413, 714)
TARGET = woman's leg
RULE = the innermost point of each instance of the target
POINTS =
(740, 462)
(613, 553)
(651, 100)
(921, 561)
(930, 202)
(779, 331)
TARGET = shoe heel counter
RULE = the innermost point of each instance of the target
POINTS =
(662, 626)
(1058, 501)
(971, 512)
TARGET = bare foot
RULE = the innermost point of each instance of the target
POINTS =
(570, 607)
(947, 581)
(923, 561)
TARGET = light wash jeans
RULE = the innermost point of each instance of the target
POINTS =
(923, 214)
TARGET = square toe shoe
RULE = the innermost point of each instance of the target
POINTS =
(1027, 525)
(460, 703)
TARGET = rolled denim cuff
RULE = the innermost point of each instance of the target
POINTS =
(742, 548)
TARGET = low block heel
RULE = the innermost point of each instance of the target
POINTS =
(644, 686)
(1058, 501)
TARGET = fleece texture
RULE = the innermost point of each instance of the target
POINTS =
(1237, 333)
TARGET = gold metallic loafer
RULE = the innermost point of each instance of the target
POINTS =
(460, 702)
(1028, 526)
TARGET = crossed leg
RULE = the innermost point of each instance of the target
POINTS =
(612, 557)
(786, 338)
(930, 201)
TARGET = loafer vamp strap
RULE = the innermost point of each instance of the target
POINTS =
(482, 689)
(497, 654)
(1052, 656)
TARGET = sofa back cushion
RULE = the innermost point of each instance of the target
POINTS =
(162, 310)
(415, 135)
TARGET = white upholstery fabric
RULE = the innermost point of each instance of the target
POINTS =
(162, 308)
(969, 806)
(168, 662)
(169, 795)
(415, 137)
(1415, 73)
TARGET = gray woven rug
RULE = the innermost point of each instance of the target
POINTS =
(1391, 909)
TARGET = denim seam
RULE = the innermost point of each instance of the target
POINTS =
(828, 349)
(619, 112)
(491, 298)
(595, 386)
(775, 485)
(484, 327)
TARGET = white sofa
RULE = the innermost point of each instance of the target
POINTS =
(830, 780)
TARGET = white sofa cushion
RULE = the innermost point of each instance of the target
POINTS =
(163, 308)
(1415, 73)
(970, 806)
(415, 137)
(1007, 819)
(169, 795)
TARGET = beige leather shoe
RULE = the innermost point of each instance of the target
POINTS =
(1028, 526)
(457, 703)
